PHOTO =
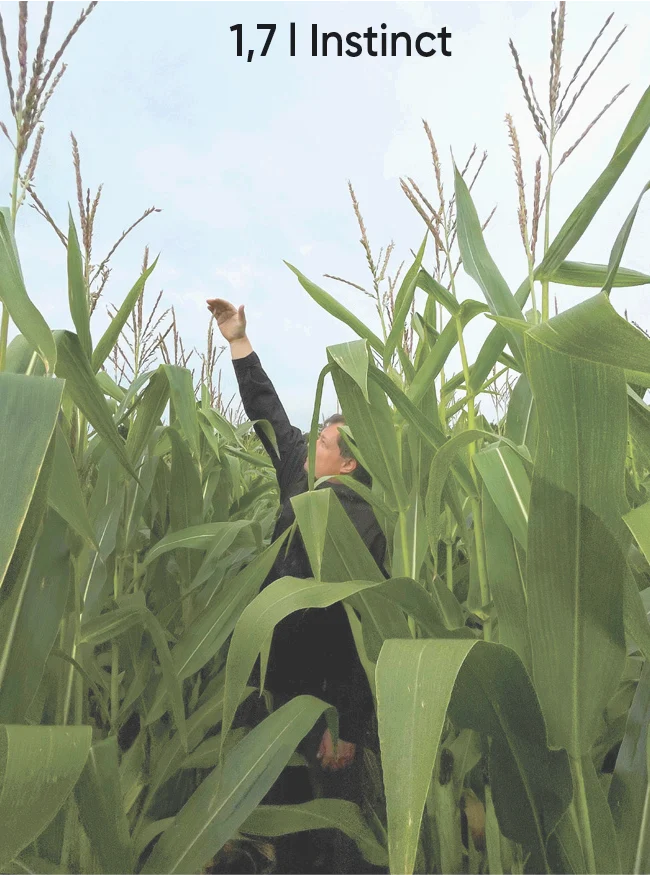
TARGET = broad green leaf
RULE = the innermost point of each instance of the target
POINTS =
(39, 767)
(576, 565)
(410, 540)
(230, 793)
(438, 473)
(436, 359)
(590, 276)
(479, 264)
(317, 814)
(629, 792)
(603, 833)
(148, 413)
(437, 292)
(221, 425)
(487, 689)
(82, 386)
(312, 510)
(506, 567)
(65, 494)
(206, 634)
(580, 219)
(235, 530)
(508, 483)
(403, 302)
(638, 522)
(372, 425)
(109, 387)
(429, 431)
(170, 755)
(99, 800)
(22, 358)
(185, 500)
(14, 296)
(256, 623)
(521, 419)
(119, 621)
(593, 330)
(77, 290)
(353, 357)
(332, 306)
(30, 619)
(93, 563)
(194, 537)
(30, 406)
(621, 242)
(112, 333)
(182, 396)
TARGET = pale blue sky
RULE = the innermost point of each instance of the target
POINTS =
(250, 162)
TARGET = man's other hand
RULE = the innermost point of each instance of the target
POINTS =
(335, 759)
(231, 320)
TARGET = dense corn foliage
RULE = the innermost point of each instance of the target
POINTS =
(506, 652)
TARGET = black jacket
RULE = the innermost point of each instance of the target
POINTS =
(312, 651)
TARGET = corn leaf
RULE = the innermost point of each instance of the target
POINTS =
(77, 291)
(30, 619)
(182, 396)
(435, 360)
(231, 793)
(332, 306)
(30, 406)
(571, 231)
(505, 476)
(15, 298)
(82, 386)
(576, 565)
(506, 567)
(402, 305)
(208, 631)
(101, 810)
(39, 767)
(580, 219)
(185, 500)
(256, 623)
(621, 242)
(479, 264)
(594, 331)
(353, 357)
(437, 292)
(371, 424)
(590, 276)
(417, 682)
(317, 814)
(314, 428)
(149, 410)
(112, 333)
(65, 491)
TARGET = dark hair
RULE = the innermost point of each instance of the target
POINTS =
(359, 473)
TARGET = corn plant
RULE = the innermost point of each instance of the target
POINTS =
(507, 650)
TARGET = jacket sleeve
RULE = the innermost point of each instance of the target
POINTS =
(261, 402)
(350, 692)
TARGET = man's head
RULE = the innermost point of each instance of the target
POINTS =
(333, 456)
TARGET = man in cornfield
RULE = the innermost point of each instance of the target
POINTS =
(312, 652)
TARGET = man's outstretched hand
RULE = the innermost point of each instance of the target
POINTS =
(231, 320)
(335, 760)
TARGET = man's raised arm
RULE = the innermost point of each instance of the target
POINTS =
(258, 395)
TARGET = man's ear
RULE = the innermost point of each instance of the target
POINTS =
(348, 465)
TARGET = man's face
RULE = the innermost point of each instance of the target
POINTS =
(328, 456)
